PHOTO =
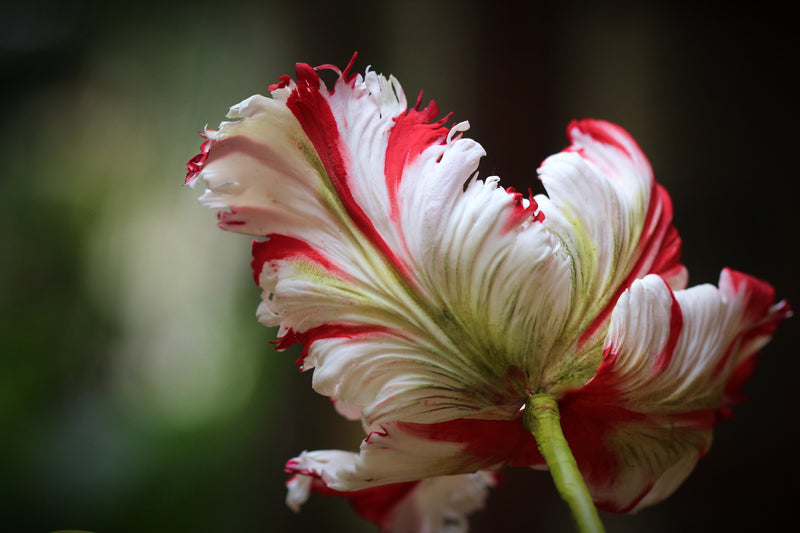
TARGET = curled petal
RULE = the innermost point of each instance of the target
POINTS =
(672, 361)
(677, 352)
(401, 452)
(428, 506)
(615, 222)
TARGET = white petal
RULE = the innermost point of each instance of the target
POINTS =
(615, 223)
(434, 505)
(672, 362)
(395, 377)
(298, 491)
(385, 459)
(442, 504)
(369, 227)
(676, 353)
(401, 452)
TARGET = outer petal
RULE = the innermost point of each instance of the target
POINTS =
(376, 233)
(677, 352)
(629, 459)
(672, 362)
(396, 376)
(416, 477)
(400, 452)
(615, 222)
(430, 506)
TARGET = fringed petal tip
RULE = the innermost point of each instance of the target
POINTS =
(194, 167)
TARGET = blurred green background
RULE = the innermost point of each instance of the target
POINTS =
(138, 392)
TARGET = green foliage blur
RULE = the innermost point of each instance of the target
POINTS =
(139, 393)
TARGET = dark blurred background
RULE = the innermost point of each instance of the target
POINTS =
(138, 392)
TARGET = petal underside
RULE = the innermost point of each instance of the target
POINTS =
(373, 223)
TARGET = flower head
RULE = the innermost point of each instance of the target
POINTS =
(431, 303)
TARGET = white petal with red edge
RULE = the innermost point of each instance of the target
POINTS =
(675, 352)
(669, 360)
(401, 452)
(386, 458)
(615, 223)
(369, 226)
(434, 505)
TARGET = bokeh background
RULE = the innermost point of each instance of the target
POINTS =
(137, 390)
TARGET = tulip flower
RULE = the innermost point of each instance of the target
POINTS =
(468, 326)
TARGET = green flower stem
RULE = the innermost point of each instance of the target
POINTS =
(542, 419)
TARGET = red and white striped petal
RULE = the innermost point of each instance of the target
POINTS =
(677, 352)
(416, 477)
(627, 459)
(383, 254)
(673, 361)
(399, 452)
(429, 506)
(615, 222)
(430, 303)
